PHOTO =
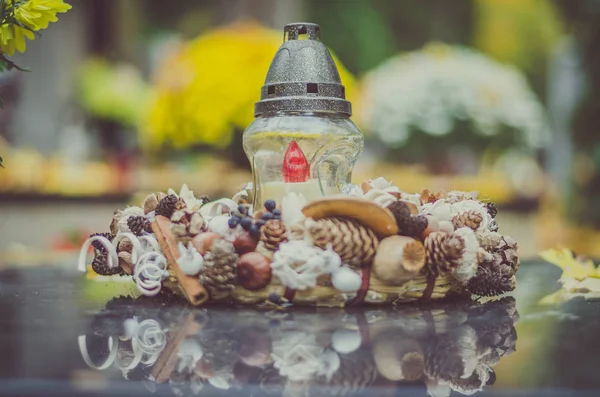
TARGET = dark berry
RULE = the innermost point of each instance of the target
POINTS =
(242, 209)
(274, 297)
(270, 205)
(267, 216)
(277, 213)
(233, 222)
(260, 223)
(246, 223)
(255, 231)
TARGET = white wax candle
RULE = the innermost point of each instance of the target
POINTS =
(276, 190)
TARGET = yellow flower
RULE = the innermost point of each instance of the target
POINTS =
(207, 91)
(37, 14)
(12, 38)
(571, 266)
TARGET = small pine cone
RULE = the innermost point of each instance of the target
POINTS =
(444, 252)
(408, 224)
(138, 225)
(166, 206)
(492, 281)
(400, 210)
(492, 209)
(354, 243)
(97, 245)
(470, 219)
(273, 233)
(220, 267)
(356, 373)
(100, 265)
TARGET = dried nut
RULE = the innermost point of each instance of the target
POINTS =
(125, 245)
(114, 224)
(398, 259)
(204, 241)
(255, 348)
(245, 243)
(446, 226)
(433, 225)
(367, 212)
(254, 271)
(150, 203)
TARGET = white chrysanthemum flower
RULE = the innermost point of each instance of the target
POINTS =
(191, 202)
(439, 209)
(432, 89)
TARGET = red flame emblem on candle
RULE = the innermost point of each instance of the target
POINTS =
(295, 167)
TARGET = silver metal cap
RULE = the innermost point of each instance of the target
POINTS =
(303, 77)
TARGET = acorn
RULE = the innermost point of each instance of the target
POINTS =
(398, 259)
(254, 271)
(245, 243)
(203, 241)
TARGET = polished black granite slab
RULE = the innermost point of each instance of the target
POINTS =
(62, 335)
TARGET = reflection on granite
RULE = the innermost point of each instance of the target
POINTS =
(431, 349)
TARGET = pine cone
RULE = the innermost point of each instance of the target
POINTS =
(354, 243)
(220, 267)
(507, 250)
(167, 206)
(492, 279)
(470, 219)
(100, 265)
(139, 224)
(273, 233)
(97, 245)
(408, 225)
(444, 251)
(357, 371)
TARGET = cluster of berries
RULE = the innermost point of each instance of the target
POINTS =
(251, 225)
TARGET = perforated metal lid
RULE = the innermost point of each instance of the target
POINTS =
(303, 77)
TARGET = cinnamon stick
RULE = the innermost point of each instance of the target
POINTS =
(191, 286)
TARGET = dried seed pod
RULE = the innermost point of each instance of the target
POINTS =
(150, 203)
(398, 259)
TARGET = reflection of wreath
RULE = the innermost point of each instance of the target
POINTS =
(438, 347)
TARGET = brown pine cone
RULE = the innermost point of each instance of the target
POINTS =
(354, 243)
(444, 252)
(507, 249)
(138, 225)
(408, 224)
(100, 265)
(470, 219)
(97, 245)
(167, 206)
(357, 371)
(273, 233)
(492, 280)
(220, 268)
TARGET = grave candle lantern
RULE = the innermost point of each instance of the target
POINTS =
(302, 140)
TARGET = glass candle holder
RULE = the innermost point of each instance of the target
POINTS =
(302, 140)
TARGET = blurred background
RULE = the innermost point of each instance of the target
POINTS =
(128, 97)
